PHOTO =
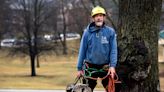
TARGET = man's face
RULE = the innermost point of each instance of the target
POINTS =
(98, 19)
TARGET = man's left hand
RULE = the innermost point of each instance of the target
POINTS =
(111, 71)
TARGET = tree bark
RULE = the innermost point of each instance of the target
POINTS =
(27, 24)
(64, 30)
(32, 57)
(138, 43)
(37, 60)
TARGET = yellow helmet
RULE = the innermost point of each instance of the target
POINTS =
(98, 10)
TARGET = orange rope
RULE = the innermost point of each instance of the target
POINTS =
(96, 78)
(111, 83)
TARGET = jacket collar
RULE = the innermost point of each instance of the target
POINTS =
(92, 27)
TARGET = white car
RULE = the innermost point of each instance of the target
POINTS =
(8, 42)
(70, 36)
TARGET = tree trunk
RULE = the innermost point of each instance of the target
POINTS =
(138, 43)
(32, 57)
(37, 60)
(33, 73)
(64, 30)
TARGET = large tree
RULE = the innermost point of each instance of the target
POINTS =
(34, 14)
(4, 17)
(2, 2)
(137, 41)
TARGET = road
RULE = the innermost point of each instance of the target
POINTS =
(14, 90)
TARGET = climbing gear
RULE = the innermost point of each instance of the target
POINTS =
(72, 85)
(88, 72)
(98, 10)
(111, 83)
(78, 87)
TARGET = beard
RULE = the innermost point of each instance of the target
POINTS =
(99, 23)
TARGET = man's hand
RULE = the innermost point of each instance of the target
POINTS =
(111, 71)
(79, 73)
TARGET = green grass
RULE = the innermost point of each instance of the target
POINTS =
(55, 72)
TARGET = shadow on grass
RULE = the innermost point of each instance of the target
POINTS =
(28, 76)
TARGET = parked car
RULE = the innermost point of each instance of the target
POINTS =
(8, 42)
(70, 36)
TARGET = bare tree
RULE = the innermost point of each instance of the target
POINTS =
(4, 16)
(39, 17)
(80, 20)
(34, 14)
(1, 18)
(64, 28)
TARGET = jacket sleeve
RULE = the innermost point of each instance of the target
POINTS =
(82, 50)
(113, 53)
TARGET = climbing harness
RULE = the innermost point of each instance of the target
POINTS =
(88, 72)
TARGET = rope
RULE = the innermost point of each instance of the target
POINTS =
(90, 71)
(111, 83)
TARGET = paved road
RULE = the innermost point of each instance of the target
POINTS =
(11, 90)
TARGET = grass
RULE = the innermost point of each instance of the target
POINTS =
(51, 75)
(55, 72)
(161, 76)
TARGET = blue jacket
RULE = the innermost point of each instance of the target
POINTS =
(98, 46)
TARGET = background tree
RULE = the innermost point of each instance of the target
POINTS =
(1, 17)
(4, 17)
(34, 14)
(138, 37)
(63, 12)
(80, 20)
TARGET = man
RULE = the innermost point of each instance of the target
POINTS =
(98, 48)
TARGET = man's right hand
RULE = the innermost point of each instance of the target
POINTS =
(79, 73)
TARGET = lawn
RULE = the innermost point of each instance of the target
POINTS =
(55, 72)
(161, 76)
